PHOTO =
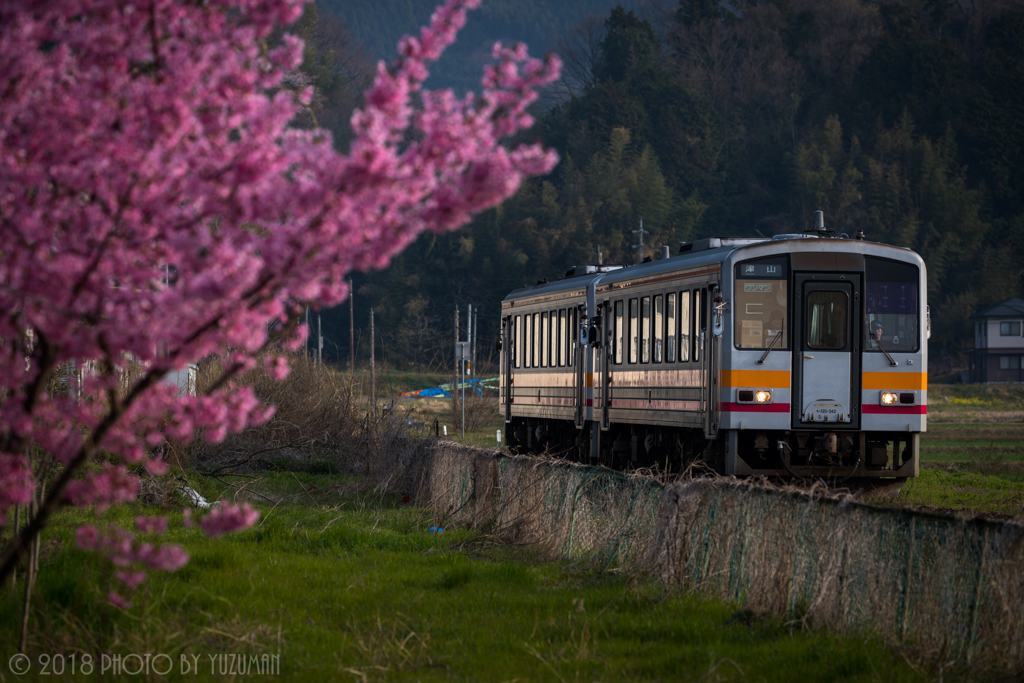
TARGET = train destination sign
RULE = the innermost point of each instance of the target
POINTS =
(767, 269)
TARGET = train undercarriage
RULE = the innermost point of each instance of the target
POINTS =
(830, 455)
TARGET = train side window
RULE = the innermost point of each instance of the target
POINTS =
(573, 334)
(617, 338)
(561, 337)
(569, 332)
(670, 327)
(528, 337)
(545, 335)
(704, 306)
(536, 340)
(554, 339)
(634, 339)
(684, 326)
(645, 329)
(658, 329)
(517, 341)
(696, 317)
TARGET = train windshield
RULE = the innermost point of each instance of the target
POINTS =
(761, 297)
(892, 305)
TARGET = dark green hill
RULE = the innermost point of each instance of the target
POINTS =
(904, 119)
(379, 24)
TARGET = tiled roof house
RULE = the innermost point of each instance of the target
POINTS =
(999, 343)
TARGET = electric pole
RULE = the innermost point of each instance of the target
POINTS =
(351, 328)
(640, 247)
(373, 387)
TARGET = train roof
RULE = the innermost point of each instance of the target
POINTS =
(701, 252)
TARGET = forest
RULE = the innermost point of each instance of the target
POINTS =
(901, 118)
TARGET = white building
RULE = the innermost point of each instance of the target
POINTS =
(998, 343)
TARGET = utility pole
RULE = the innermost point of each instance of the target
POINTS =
(476, 320)
(351, 328)
(640, 247)
(373, 386)
(319, 341)
(308, 332)
(456, 382)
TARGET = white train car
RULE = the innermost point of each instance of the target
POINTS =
(801, 355)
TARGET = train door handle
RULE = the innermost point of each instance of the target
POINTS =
(808, 356)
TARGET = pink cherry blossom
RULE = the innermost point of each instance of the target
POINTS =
(156, 207)
(15, 482)
(224, 519)
(276, 366)
(117, 601)
(87, 537)
(131, 580)
(111, 485)
(151, 525)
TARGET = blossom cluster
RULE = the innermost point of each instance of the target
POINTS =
(156, 208)
(126, 551)
(225, 519)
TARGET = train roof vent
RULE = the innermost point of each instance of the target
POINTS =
(717, 242)
(576, 271)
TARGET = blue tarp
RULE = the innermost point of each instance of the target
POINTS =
(477, 385)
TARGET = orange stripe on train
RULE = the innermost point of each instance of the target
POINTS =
(895, 381)
(761, 379)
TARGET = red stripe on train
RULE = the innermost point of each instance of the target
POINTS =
(869, 409)
(754, 408)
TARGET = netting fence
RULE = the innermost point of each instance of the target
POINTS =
(955, 586)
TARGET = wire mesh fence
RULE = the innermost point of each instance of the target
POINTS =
(951, 585)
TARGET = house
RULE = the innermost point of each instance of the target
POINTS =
(998, 343)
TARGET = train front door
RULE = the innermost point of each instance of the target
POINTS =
(508, 352)
(826, 355)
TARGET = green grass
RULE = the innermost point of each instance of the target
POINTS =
(963, 404)
(973, 442)
(356, 588)
(972, 455)
(968, 492)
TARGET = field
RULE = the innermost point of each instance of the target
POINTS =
(973, 453)
(346, 584)
(340, 581)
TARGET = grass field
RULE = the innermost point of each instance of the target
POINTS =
(972, 456)
(346, 585)
(342, 583)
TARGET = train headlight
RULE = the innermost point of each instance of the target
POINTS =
(761, 396)
(888, 398)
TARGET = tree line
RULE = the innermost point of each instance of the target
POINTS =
(903, 119)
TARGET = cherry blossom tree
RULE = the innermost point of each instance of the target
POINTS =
(155, 208)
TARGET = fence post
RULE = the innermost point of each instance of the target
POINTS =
(373, 385)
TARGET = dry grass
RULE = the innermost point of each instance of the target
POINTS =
(318, 425)
(480, 411)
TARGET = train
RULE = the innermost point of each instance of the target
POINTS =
(800, 355)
